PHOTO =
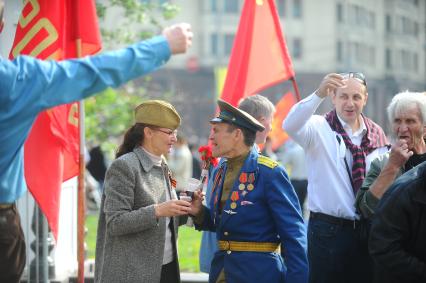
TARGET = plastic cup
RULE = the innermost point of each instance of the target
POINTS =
(191, 187)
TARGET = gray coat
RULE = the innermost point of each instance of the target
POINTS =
(130, 239)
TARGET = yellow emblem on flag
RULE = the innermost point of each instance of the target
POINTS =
(259, 2)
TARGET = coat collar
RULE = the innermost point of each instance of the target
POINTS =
(250, 163)
(144, 159)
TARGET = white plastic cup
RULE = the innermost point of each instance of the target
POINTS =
(192, 185)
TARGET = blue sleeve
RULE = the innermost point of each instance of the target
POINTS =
(286, 213)
(36, 85)
(207, 223)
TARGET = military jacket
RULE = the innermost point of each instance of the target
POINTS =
(262, 207)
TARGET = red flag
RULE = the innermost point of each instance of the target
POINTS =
(57, 30)
(259, 56)
(278, 135)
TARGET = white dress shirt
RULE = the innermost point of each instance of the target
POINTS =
(329, 186)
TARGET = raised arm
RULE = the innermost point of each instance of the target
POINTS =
(35, 83)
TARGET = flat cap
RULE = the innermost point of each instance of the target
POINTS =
(157, 113)
(232, 115)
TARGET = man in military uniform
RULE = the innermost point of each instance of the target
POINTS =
(254, 209)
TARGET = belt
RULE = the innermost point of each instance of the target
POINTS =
(333, 219)
(249, 246)
(6, 206)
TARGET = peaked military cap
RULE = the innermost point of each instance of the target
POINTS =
(232, 115)
(157, 113)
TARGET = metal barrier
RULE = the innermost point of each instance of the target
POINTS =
(48, 261)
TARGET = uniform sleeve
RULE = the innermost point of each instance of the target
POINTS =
(390, 233)
(120, 217)
(203, 221)
(32, 83)
(297, 123)
(286, 213)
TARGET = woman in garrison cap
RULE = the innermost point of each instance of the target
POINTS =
(140, 212)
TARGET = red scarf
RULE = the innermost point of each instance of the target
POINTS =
(373, 139)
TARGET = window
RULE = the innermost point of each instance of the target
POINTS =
(297, 8)
(372, 56)
(231, 6)
(415, 62)
(388, 58)
(339, 51)
(388, 23)
(214, 44)
(372, 20)
(339, 13)
(213, 6)
(229, 41)
(297, 48)
(281, 8)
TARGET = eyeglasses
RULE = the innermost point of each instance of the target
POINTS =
(167, 132)
(356, 75)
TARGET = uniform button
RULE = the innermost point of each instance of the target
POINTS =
(228, 252)
(225, 233)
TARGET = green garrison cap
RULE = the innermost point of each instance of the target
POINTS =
(230, 114)
(157, 113)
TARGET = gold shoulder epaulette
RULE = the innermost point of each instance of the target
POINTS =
(268, 162)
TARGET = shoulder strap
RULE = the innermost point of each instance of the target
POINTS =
(266, 161)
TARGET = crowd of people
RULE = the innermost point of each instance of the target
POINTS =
(366, 197)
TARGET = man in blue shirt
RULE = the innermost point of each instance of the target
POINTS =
(29, 86)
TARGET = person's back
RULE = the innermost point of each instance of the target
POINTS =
(294, 159)
(398, 232)
(180, 162)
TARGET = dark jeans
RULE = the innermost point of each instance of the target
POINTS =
(170, 273)
(12, 246)
(337, 253)
(301, 189)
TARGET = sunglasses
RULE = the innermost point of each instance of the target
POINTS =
(355, 75)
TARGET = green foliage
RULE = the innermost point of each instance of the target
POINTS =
(147, 14)
(110, 113)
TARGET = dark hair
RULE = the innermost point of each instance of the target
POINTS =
(249, 136)
(132, 138)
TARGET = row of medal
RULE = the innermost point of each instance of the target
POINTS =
(246, 182)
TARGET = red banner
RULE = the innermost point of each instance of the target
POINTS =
(259, 56)
(56, 30)
(278, 135)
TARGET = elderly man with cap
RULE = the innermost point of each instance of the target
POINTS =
(262, 109)
(253, 209)
(139, 217)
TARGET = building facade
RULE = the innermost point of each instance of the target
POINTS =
(384, 39)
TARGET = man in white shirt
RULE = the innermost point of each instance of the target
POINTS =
(339, 148)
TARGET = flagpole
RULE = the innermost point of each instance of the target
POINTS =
(81, 205)
(296, 88)
(81, 210)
